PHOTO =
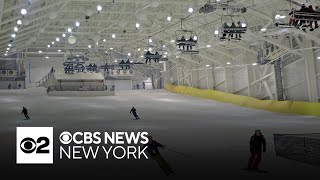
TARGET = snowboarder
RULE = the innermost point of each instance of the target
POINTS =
(134, 112)
(25, 113)
(257, 145)
(153, 151)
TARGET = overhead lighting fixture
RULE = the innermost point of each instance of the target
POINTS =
(69, 30)
(165, 56)
(139, 49)
(137, 25)
(113, 36)
(19, 22)
(77, 55)
(77, 24)
(177, 57)
(9, 45)
(150, 40)
(129, 54)
(23, 11)
(47, 57)
(115, 61)
(263, 29)
(40, 51)
(6, 54)
(89, 46)
(216, 32)
(277, 16)
(49, 45)
(169, 18)
(172, 41)
(8, 49)
(99, 8)
(111, 48)
(166, 53)
(164, 46)
(104, 40)
(13, 35)
(145, 50)
(59, 50)
(142, 56)
(207, 65)
(318, 57)
(15, 29)
(150, 49)
(57, 39)
(190, 10)
(131, 61)
(195, 38)
(63, 35)
(208, 45)
(228, 63)
(243, 25)
(254, 64)
(52, 42)
(106, 52)
(282, 17)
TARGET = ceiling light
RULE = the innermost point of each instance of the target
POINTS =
(169, 18)
(97, 43)
(9, 45)
(89, 46)
(104, 40)
(111, 48)
(195, 38)
(69, 30)
(277, 16)
(77, 24)
(52, 42)
(282, 17)
(23, 11)
(164, 56)
(15, 29)
(49, 45)
(19, 22)
(6, 54)
(243, 25)
(57, 39)
(47, 57)
(99, 8)
(166, 53)
(59, 50)
(63, 35)
(13, 35)
(106, 52)
(207, 65)
(263, 29)
(40, 51)
(172, 41)
(208, 45)
(137, 25)
(228, 62)
(77, 55)
(115, 61)
(131, 61)
(150, 40)
(190, 10)
(177, 57)
(8, 49)
(142, 56)
(150, 49)
(254, 64)
(318, 57)
(113, 36)
(129, 54)
(139, 49)
(216, 32)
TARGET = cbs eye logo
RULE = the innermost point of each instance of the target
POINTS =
(29, 145)
(34, 145)
(65, 137)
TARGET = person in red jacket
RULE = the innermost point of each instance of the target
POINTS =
(257, 145)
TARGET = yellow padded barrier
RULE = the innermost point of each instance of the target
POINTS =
(289, 107)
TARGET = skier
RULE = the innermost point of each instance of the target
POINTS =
(143, 85)
(9, 86)
(134, 112)
(257, 145)
(25, 113)
(19, 86)
(153, 151)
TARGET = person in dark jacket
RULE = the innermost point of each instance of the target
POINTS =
(153, 151)
(311, 10)
(257, 145)
(134, 112)
(25, 113)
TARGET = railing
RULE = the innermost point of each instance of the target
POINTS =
(45, 78)
(80, 88)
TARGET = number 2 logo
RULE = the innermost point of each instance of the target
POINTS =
(29, 145)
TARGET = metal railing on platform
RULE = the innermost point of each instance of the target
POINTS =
(45, 78)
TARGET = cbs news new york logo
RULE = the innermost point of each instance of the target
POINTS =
(34, 145)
